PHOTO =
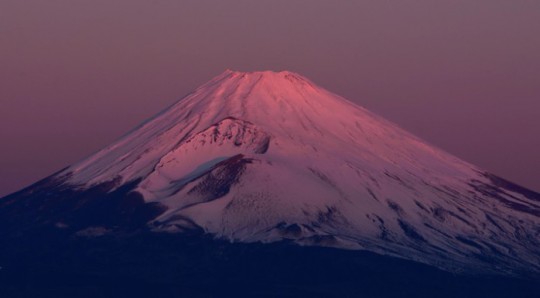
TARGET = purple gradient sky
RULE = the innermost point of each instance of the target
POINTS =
(75, 75)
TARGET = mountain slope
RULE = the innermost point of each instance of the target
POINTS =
(266, 157)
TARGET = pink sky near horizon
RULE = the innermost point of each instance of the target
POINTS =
(462, 75)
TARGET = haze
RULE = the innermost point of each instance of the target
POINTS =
(76, 75)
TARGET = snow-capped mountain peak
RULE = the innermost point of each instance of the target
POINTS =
(268, 156)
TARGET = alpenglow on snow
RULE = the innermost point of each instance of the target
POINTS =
(270, 156)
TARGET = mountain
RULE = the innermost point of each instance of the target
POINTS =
(271, 158)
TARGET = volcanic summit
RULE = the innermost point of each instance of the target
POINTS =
(264, 157)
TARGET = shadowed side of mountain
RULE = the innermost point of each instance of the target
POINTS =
(50, 204)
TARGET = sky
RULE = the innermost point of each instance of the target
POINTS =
(463, 75)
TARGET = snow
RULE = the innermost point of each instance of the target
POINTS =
(289, 153)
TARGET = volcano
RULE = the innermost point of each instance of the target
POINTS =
(264, 159)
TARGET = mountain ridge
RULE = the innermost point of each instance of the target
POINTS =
(269, 157)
